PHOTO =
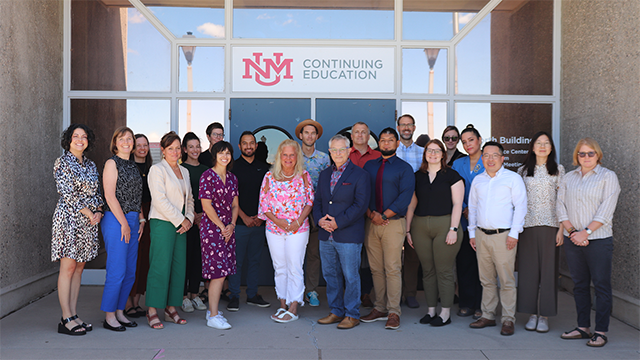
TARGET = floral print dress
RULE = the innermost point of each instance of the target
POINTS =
(218, 257)
(285, 200)
(72, 235)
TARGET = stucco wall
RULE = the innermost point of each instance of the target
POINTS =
(601, 99)
(31, 112)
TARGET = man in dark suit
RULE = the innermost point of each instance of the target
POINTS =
(341, 200)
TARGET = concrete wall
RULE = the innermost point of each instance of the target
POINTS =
(31, 115)
(601, 99)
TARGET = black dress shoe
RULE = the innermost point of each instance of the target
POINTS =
(129, 324)
(106, 325)
(437, 321)
(426, 319)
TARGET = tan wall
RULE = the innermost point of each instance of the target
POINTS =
(31, 120)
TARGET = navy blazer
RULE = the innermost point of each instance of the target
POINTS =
(347, 204)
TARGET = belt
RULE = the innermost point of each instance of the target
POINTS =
(493, 232)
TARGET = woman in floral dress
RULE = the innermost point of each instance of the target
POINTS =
(74, 239)
(219, 197)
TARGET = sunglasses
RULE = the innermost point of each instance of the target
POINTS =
(590, 153)
(450, 138)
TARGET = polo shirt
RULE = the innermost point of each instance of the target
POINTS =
(359, 159)
(250, 177)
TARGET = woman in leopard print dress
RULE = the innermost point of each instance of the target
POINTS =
(74, 238)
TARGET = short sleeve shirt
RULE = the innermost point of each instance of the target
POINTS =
(434, 198)
(314, 164)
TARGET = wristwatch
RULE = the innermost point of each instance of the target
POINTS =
(384, 217)
(453, 228)
(589, 231)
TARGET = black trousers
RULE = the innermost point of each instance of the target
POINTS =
(194, 261)
(469, 287)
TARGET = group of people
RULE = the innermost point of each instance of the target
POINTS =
(354, 213)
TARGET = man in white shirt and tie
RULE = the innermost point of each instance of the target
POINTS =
(497, 207)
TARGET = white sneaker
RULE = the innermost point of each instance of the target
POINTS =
(208, 314)
(187, 306)
(532, 323)
(218, 322)
(198, 304)
(543, 325)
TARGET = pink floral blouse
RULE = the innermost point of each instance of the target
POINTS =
(285, 200)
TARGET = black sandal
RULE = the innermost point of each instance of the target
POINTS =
(581, 335)
(595, 337)
(140, 312)
(131, 312)
(86, 326)
(62, 329)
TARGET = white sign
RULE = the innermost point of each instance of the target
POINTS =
(318, 69)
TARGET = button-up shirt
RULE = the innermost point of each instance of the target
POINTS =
(592, 197)
(498, 202)
(335, 175)
(412, 154)
(359, 159)
(398, 183)
(314, 164)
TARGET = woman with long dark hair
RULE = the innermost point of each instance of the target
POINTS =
(537, 249)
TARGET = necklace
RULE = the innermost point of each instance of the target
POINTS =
(287, 176)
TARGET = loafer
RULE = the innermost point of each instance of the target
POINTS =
(426, 319)
(393, 322)
(482, 323)
(374, 315)
(507, 328)
(437, 321)
(348, 323)
(543, 325)
(412, 302)
(106, 325)
(532, 323)
(330, 319)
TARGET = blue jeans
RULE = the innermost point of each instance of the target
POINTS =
(249, 242)
(340, 268)
(586, 264)
(121, 260)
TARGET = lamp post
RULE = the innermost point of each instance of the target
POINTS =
(432, 55)
(189, 51)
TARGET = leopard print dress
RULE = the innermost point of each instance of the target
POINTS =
(78, 184)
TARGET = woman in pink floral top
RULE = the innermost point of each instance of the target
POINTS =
(286, 199)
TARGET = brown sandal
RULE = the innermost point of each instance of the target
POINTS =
(154, 322)
(173, 317)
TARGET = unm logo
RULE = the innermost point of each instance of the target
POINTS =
(278, 65)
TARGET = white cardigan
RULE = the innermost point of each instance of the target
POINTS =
(167, 199)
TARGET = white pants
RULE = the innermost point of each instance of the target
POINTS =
(287, 254)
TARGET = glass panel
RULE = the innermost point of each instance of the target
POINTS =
(431, 117)
(103, 116)
(271, 136)
(196, 115)
(437, 20)
(509, 52)
(204, 18)
(206, 71)
(512, 125)
(424, 71)
(116, 48)
(332, 19)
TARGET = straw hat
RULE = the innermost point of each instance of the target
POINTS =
(308, 122)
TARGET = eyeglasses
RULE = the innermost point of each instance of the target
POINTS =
(338, 151)
(216, 135)
(450, 138)
(492, 156)
(543, 144)
(590, 153)
(433, 151)
(406, 125)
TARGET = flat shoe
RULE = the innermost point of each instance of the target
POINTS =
(129, 324)
(581, 335)
(131, 312)
(277, 314)
(464, 312)
(437, 321)
(106, 325)
(426, 319)
(595, 337)
(140, 312)
(281, 319)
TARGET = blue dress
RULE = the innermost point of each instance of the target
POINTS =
(463, 167)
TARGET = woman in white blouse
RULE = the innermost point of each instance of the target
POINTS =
(537, 248)
(586, 202)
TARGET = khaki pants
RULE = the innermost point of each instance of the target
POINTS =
(495, 260)
(384, 249)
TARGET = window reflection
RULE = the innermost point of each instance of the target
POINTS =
(204, 22)
(421, 25)
(424, 71)
(207, 69)
(431, 117)
(196, 115)
(270, 137)
(280, 19)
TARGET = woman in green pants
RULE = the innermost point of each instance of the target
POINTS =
(171, 214)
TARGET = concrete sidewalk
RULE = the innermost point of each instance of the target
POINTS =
(30, 333)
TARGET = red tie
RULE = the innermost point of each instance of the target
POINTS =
(379, 202)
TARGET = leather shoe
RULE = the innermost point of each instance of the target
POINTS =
(373, 316)
(129, 324)
(106, 325)
(482, 323)
(393, 322)
(348, 323)
(330, 319)
(507, 328)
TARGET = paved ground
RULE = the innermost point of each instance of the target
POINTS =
(30, 333)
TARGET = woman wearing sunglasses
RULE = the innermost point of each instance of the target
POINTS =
(586, 202)
(450, 138)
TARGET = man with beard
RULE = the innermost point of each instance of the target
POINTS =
(314, 162)
(412, 154)
(392, 185)
(250, 232)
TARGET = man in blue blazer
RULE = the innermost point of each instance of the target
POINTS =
(341, 200)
